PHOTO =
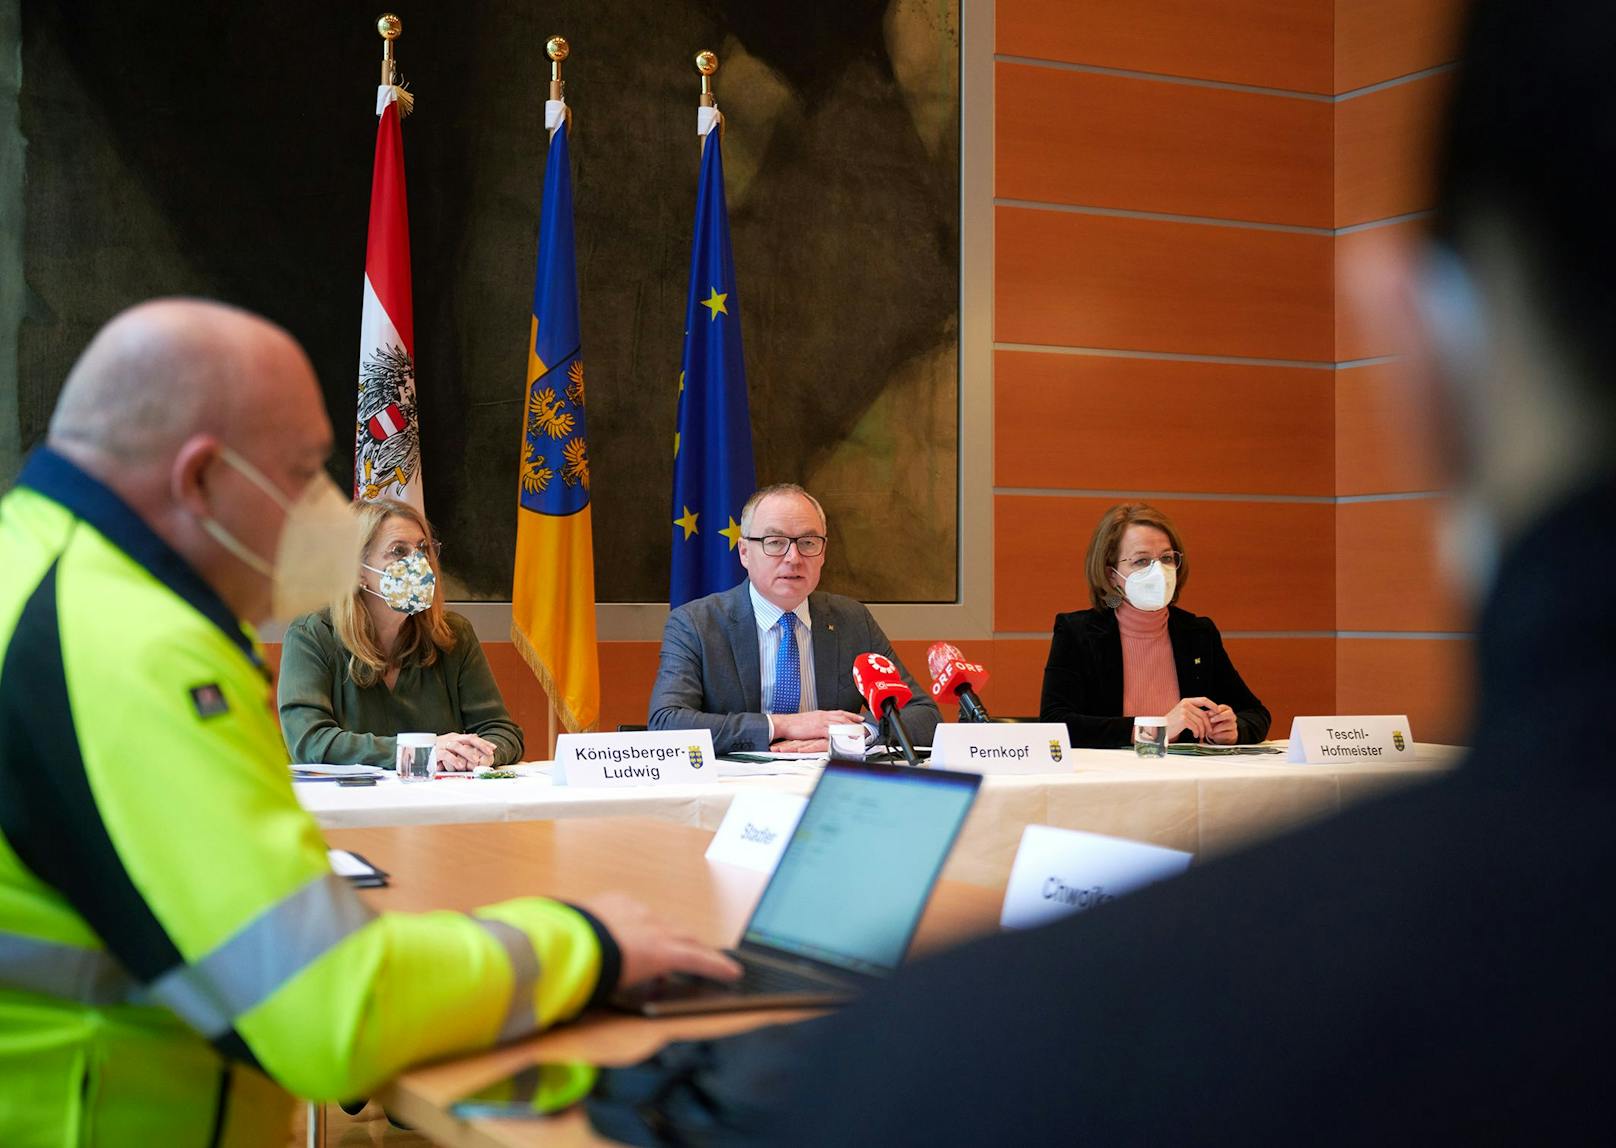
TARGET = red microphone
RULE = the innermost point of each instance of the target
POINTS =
(954, 680)
(885, 692)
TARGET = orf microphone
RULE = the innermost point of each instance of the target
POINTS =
(885, 692)
(954, 680)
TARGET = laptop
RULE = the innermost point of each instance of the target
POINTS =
(844, 902)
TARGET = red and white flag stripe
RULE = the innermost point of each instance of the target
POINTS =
(387, 465)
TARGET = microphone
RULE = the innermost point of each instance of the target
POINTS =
(885, 693)
(954, 680)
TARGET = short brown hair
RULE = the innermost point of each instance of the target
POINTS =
(423, 635)
(1107, 541)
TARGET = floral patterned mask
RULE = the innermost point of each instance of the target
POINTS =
(407, 585)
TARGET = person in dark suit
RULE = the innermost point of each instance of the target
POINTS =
(769, 663)
(1136, 653)
(1431, 966)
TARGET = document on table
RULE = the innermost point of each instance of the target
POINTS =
(768, 764)
(313, 771)
(1195, 749)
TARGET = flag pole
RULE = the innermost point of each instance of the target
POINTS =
(389, 27)
(557, 49)
(707, 64)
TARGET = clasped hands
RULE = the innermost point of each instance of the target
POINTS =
(1205, 719)
(461, 752)
(808, 732)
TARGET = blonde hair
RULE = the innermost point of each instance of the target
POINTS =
(421, 637)
(1107, 541)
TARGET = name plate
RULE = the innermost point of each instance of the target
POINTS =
(665, 757)
(1002, 747)
(1376, 739)
(1058, 872)
(756, 828)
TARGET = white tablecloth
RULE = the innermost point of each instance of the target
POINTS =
(1201, 805)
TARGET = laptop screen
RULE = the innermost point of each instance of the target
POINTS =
(855, 877)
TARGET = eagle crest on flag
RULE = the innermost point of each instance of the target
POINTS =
(387, 447)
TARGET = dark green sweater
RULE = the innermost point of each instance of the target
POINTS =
(327, 718)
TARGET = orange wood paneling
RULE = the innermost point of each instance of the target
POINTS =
(1385, 149)
(627, 672)
(1355, 338)
(1111, 141)
(1291, 675)
(1429, 679)
(1379, 40)
(1071, 279)
(1253, 565)
(1018, 676)
(1269, 43)
(1088, 422)
(1377, 446)
(524, 697)
(1388, 576)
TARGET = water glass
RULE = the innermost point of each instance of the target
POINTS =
(1150, 736)
(414, 756)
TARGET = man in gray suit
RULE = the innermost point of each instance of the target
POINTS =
(769, 663)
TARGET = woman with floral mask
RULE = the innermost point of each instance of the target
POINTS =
(389, 659)
(1135, 654)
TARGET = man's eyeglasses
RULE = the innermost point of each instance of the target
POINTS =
(1171, 559)
(775, 545)
(400, 550)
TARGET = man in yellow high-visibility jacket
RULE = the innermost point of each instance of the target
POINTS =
(176, 958)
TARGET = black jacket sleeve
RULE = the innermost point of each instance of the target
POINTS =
(1204, 670)
(1082, 686)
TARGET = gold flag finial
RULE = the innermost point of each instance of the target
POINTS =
(389, 27)
(557, 48)
(707, 64)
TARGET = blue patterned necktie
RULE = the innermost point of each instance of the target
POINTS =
(787, 697)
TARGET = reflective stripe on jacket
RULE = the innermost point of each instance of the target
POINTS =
(175, 955)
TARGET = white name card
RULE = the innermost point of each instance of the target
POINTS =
(1375, 739)
(756, 828)
(1002, 747)
(665, 757)
(1062, 871)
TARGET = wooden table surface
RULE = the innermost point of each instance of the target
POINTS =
(464, 866)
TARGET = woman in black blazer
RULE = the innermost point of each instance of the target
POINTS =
(1135, 647)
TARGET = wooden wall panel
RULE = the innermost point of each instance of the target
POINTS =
(1291, 675)
(627, 672)
(1354, 340)
(1071, 279)
(1119, 142)
(1378, 40)
(1431, 680)
(1385, 150)
(523, 695)
(1377, 449)
(1086, 422)
(1268, 43)
(1388, 576)
(1254, 565)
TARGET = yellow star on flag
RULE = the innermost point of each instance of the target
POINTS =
(733, 533)
(715, 303)
(688, 522)
(675, 444)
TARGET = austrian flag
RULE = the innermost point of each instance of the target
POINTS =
(387, 439)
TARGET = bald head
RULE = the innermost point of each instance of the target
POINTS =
(207, 421)
(163, 371)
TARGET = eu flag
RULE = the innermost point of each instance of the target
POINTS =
(713, 473)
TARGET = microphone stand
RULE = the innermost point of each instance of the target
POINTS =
(893, 724)
(971, 707)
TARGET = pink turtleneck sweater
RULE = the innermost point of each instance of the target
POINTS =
(1149, 678)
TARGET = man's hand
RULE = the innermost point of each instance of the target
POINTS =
(811, 726)
(459, 752)
(651, 948)
(802, 745)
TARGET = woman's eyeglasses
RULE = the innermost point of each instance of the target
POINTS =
(399, 551)
(1171, 559)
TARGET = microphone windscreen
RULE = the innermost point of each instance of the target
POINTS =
(877, 680)
(950, 672)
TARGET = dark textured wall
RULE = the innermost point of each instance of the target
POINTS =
(227, 151)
